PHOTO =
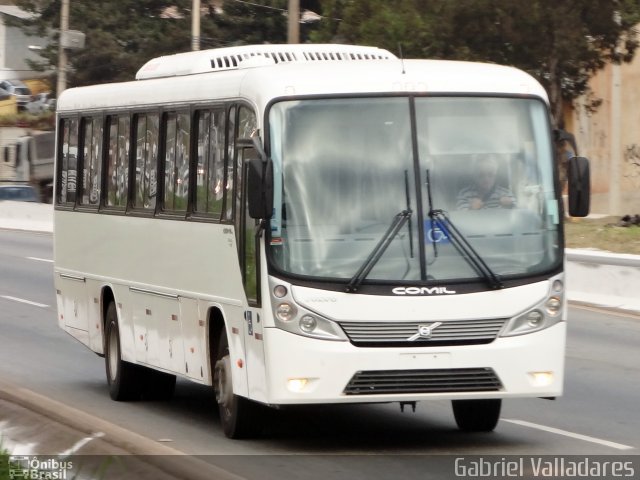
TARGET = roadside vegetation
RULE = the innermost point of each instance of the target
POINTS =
(42, 121)
(4, 464)
(602, 234)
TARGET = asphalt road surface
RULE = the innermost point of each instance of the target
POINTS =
(598, 414)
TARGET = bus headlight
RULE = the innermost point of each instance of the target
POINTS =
(312, 325)
(554, 305)
(285, 312)
(543, 315)
(293, 318)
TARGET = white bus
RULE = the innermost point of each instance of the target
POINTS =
(312, 224)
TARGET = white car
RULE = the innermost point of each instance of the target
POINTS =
(19, 90)
(41, 102)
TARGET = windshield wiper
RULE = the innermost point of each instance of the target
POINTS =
(440, 219)
(465, 249)
(396, 225)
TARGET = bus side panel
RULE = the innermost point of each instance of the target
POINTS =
(73, 307)
(94, 316)
(235, 325)
(194, 340)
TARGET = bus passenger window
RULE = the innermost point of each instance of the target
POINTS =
(146, 157)
(117, 165)
(176, 172)
(68, 162)
(210, 173)
(91, 161)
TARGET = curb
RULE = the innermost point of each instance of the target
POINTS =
(170, 460)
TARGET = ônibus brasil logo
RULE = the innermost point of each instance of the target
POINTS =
(423, 291)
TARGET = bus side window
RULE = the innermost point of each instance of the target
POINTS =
(229, 180)
(246, 129)
(68, 162)
(91, 161)
(117, 164)
(176, 172)
(210, 162)
(146, 148)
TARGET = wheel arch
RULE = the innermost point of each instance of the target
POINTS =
(215, 325)
(106, 297)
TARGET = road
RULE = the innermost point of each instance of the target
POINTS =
(598, 415)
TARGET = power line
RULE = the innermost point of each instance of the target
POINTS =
(261, 6)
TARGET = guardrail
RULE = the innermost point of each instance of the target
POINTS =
(602, 278)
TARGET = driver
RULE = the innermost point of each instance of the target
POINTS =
(484, 192)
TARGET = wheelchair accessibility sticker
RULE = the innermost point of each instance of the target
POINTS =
(436, 232)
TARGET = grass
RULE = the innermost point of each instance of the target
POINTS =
(603, 234)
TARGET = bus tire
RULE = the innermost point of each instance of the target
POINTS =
(125, 379)
(236, 413)
(477, 415)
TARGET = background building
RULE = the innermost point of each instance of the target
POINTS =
(14, 47)
(610, 137)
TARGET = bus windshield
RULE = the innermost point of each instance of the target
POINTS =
(344, 168)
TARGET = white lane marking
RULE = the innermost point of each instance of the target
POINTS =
(22, 300)
(40, 259)
(79, 445)
(565, 433)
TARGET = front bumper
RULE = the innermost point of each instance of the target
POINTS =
(305, 371)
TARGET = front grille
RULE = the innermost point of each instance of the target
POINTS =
(450, 380)
(448, 333)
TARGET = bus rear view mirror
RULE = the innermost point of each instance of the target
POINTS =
(579, 187)
(260, 188)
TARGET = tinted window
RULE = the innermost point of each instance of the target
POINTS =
(146, 150)
(118, 175)
(176, 174)
(210, 177)
(68, 161)
(91, 161)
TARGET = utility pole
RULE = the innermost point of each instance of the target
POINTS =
(62, 52)
(195, 25)
(294, 21)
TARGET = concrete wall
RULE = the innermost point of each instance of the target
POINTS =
(610, 138)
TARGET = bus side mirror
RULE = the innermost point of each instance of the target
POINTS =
(579, 180)
(260, 188)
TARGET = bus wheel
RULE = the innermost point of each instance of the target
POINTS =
(236, 413)
(124, 378)
(477, 415)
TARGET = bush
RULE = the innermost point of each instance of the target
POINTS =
(43, 121)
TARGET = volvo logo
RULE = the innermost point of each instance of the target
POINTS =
(423, 291)
(424, 331)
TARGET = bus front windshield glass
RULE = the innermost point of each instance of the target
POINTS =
(348, 170)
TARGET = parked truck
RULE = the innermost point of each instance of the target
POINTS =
(26, 156)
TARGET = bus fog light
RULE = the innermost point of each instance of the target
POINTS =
(535, 318)
(285, 312)
(308, 324)
(297, 384)
(280, 291)
(553, 305)
(541, 379)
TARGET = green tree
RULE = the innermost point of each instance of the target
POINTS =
(244, 22)
(120, 35)
(560, 42)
